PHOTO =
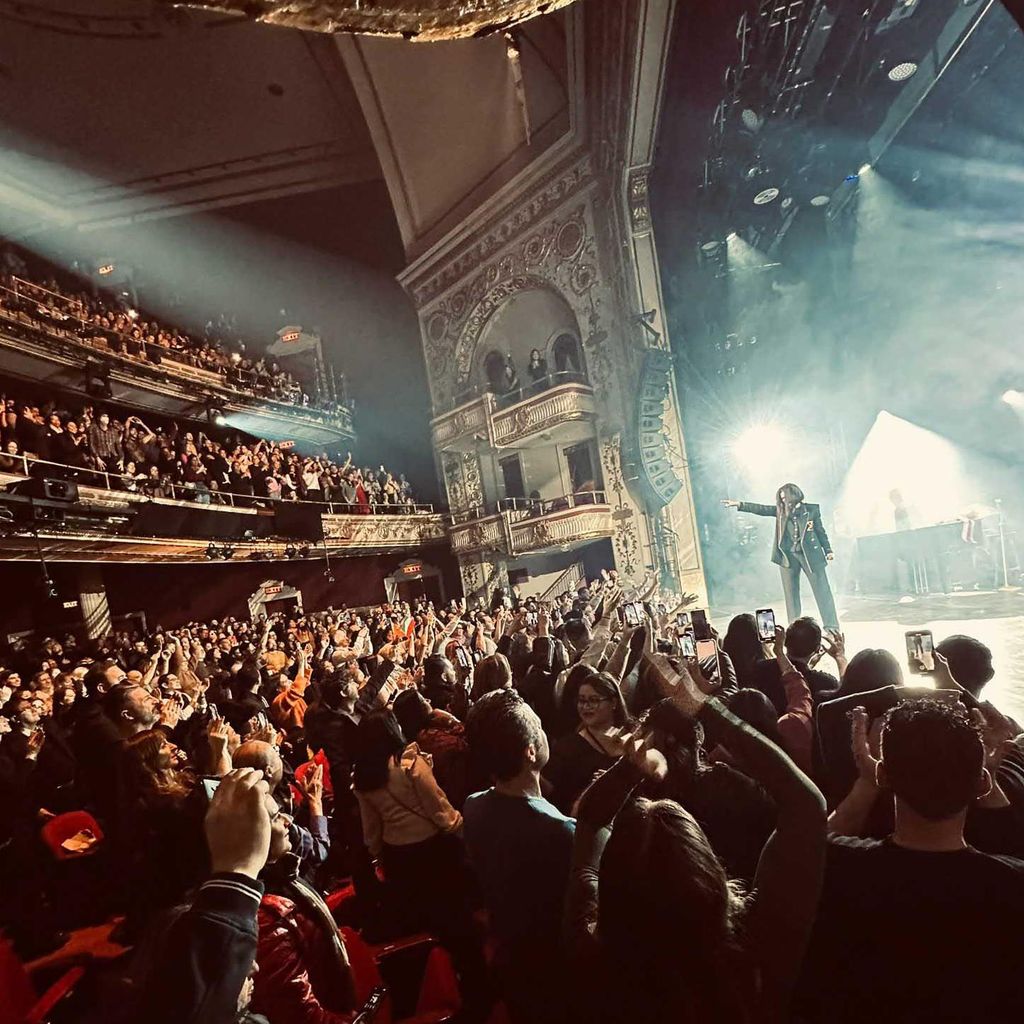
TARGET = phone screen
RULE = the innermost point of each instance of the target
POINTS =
(682, 620)
(630, 616)
(921, 652)
(707, 657)
(210, 787)
(766, 624)
(687, 644)
(701, 626)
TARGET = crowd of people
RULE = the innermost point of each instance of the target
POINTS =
(593, 823)
(176, 462)
(110, 323)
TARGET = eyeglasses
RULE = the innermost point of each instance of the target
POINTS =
(591, 702)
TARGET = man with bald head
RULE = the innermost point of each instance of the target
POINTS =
(310, 842)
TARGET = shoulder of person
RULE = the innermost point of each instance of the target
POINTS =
(275, 909)
(416, 761)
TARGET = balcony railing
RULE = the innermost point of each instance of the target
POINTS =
(502, 419)
(52, 316)
(503, 399)
(123, 486)
(516, 525)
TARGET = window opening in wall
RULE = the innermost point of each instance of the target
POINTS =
(512, 476)
(581, 462)
(567, 355)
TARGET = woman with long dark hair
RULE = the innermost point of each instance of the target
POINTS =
(801, 545)
(743, 645)
(658, 931)
(158, 833)
(409, 824)
(594, 745)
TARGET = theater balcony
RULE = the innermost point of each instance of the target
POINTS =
(88, 521)
(527, 526)
(51, 350)
(561, 404)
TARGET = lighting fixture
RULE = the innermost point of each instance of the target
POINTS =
(304, 551)
(211, 550)
(864, 168)
(902, 71)
(710, 247)
(766, 196)
(751, 119)
(290, 551)
(821, 200)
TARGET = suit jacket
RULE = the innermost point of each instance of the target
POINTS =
(814, 543)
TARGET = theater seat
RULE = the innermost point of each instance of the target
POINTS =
(19, 1002)
(64, 826)
(439, 994)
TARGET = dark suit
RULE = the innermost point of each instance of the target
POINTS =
(801, 543)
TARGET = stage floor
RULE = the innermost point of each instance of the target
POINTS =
(996, 618)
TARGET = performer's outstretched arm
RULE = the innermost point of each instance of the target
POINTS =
(749, 506)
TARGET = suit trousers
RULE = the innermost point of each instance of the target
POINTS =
(820, 587)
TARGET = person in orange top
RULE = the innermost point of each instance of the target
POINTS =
(288, 708)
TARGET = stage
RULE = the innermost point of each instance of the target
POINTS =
(996, 618)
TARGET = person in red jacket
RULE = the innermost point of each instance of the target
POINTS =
(304, 972)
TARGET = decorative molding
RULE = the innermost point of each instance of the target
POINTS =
(639, 201)
(563, 404)
(382, 532)
(572, 181)
(574, 526)
(479, 535)
(469, 418)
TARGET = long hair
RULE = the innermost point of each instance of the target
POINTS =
(743, 645)
(668, 918)
(378, 739)
(142, 777)
(491, 673)
(780, 505)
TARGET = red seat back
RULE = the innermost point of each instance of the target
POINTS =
(365, 972)
(16, 993)
(64, 826)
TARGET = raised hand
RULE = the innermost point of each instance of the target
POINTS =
(860, 744)
(312, 787)
(170, 714)
(681, 687)
(237, 824)
(640, 752)
(730, 503)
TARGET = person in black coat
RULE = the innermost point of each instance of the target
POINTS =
(801, 545)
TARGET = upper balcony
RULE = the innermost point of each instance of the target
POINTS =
(108, 523)
(46, 342)
(499, 421)
(517, 526)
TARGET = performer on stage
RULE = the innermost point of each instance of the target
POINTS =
(801, 543)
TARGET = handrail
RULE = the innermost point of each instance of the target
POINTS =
(567, 580)
(205, 496)
(342, 416)
(529, 508)
(503, 400)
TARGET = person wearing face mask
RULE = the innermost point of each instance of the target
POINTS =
(801, 546)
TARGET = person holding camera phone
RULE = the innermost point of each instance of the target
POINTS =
(801, 546)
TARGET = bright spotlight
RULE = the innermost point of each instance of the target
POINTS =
(864, 168)
(760, 445)
(821, 200)
(902, 71)
(133, 314)
(1014, 399)
(927, 469)
(220, 420)
(766, 196)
